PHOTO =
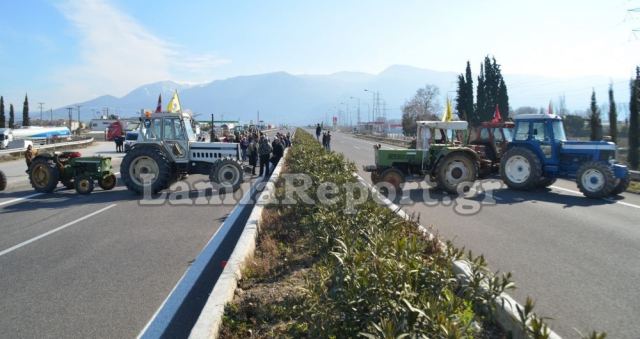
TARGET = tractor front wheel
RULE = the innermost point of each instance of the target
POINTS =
(375, 177)
(84, 184)
(44, 174)
(520, 169)
(228, 174)
(596, 179)
(107, 182)
(3, 181)
(455, 169)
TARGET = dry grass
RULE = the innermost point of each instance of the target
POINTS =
(634, 187)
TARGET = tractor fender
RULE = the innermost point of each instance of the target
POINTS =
(151, 145)
(535, 150)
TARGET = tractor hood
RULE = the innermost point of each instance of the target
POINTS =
(588, 145)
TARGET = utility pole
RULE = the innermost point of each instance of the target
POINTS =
(51, 115)
(69, 109)
(78, 107)
(40, 104)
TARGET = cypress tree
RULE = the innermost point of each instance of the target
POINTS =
(469, 94)
(461, 98)
(481, 98)
(594, 119)
(2, 122)
(613, 116)
(503, 99)
(12, 117)
(25, 112)
(634, 105)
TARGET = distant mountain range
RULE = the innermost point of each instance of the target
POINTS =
(300, 99)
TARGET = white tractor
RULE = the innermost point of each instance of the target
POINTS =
(167, 151)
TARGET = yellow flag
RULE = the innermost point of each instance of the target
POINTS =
(448, 114)
(174, 104)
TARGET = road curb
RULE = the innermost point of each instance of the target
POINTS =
(210, 319)
(506, 307)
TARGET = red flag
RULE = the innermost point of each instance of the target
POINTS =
(159, 107)
(496, 115)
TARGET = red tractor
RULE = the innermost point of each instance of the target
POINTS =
(494, 136)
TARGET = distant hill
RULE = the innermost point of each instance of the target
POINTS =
(301, 99)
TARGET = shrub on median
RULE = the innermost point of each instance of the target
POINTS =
(370, 273)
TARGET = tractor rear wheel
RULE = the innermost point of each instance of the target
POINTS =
(145, 166)
(108, 182)
(520, 169)
(44, 174)
(454, 169)
(3, 181)
(84, 184)
(393, 177)
(595, 179)
(228, 174)
(622, 185)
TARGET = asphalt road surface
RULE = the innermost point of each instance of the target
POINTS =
(577, 257)
(97, 265)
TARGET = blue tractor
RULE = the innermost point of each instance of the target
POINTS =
(539, 153)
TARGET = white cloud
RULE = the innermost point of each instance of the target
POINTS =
(117, 54)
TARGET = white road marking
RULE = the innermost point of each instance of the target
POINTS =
(20, 199)
(605, 199)
(11, 249)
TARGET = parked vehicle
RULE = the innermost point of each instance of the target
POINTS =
(34, 133)
(539, 153)
(72, 170)
(167, 150)
(130, 139)
(440, 154)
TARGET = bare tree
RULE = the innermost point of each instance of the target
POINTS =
(423, 106)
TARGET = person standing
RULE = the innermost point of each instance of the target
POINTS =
(278, 151)
(264, 150)
(328, 145)
(318, 131)
(324, 140)
(29, 154)
(244, 144)
(252, 152)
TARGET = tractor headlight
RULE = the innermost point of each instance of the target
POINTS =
(546, 150)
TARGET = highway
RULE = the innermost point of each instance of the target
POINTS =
(97, 265)
(577, 257)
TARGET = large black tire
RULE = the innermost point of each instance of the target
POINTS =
(228, 174)
(143, 160)
(454, 169)
(622, 185)
(520, 169)
(84, 184)
(3, 181)
(393, 177)
(108, 182)
(595, 179)
(546, 182)
(44, 174)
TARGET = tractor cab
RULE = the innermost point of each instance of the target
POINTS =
(173, 130)
(440, 133)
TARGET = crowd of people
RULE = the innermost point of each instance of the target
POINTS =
(259, 150)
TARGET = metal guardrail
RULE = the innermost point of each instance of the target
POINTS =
(17, 151)
(635, 175)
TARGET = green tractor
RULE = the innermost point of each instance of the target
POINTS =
(47, 170)
(440, 156)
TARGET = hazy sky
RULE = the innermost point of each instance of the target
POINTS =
(73, 50)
